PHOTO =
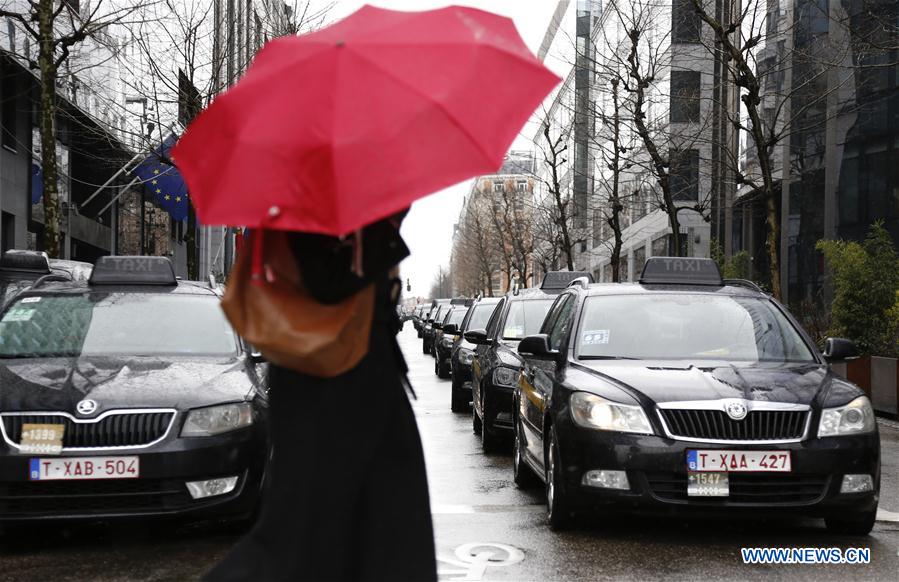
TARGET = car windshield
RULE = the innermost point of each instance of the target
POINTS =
(136, 324)
(683, 326)
(456, 316)
(525, 318)
(480, 316)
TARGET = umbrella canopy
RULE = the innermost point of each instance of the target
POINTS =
(335, 129)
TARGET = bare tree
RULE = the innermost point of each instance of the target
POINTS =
(57, 28)
(475, 252)
(786, 89)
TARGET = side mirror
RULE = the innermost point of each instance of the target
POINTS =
(837, 349)
(438, 325)
(537, 346)
(450, 329)
(477, 336)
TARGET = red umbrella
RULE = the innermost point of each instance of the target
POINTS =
(344, 126)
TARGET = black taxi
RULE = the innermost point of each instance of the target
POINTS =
(496, 364)
(462, 354)
(686, 392)
(127, 396)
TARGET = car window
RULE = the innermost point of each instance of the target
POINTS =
(137, 324)
(525, 318)
(689, 326)
(552, 315)
(493, 324)
(456, 316)
(562, 323)
(480, 316)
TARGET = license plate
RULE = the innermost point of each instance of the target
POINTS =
(739, 461)
(81, 468)
(707, 485)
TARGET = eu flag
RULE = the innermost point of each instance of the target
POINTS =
(163, 180)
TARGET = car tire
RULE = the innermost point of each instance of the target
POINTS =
(424, 347)
(458, 399)
(476, 424)
(860, 525)
(522, 474)
(558, 504)
(489, 439)
(442, 371)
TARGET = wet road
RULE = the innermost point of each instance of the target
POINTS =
(486, 528)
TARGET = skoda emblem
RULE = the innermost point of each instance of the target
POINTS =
(736, 410)
(86, 407)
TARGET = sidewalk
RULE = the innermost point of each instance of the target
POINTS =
(889, 472)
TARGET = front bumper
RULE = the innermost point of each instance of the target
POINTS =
(159, 491)
(498, 405)
(657, 474)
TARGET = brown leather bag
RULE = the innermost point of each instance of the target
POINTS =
(267, 304)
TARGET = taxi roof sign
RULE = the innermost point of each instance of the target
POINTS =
(18, 260)
(125, 270)
(561, 279)
(680, 271)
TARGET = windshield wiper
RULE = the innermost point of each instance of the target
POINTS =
(607, 358)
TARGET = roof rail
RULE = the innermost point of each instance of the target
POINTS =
(51, 278)
(582, 282)
(743, 283)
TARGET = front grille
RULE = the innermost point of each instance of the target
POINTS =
(768, 489)
(115, 430)
(87, 497)
(759, 425)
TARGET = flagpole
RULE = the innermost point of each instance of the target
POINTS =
(108, 182)
(119, 195)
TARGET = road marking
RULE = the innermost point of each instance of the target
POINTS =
(471, 560)
(884, 515)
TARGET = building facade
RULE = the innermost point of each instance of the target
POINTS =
(687, 108)
(831, 87)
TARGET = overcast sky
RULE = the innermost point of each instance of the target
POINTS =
(428, 229)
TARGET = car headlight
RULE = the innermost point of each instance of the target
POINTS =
(505, 377)
(591, 411)
(217, 419)
(447, 342)
(857, 417)
(465, 356)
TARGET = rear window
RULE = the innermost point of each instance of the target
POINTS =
(135, 324)
(456, 316)
(480, 316)
(525, 318)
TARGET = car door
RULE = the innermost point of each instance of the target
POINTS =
(531, 399)
(482, 364)
(542, 374)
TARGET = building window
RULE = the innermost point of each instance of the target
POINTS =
(684, 174)
(498, 186)
(9, 98)
(685, 90)
(522, 185)
(685, 23)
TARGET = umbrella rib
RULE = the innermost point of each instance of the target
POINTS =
(440, 106)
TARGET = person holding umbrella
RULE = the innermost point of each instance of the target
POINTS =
(320, 149)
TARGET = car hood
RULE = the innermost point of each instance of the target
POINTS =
(805, 383)
(58, 384)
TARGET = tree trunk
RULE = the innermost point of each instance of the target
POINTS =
(47, 128)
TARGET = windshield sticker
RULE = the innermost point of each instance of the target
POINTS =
(30, 300)
(18, 314)
(596, 337)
